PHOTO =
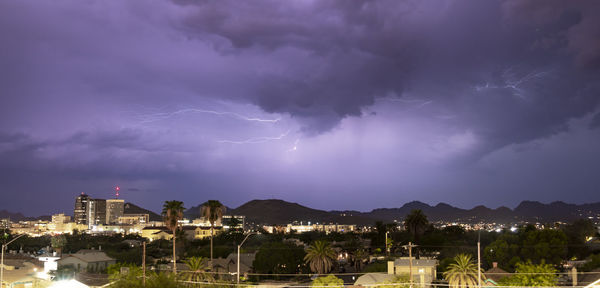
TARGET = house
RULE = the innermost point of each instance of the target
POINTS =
(423, 270)
(71, 283)
(495, 273)
(87, 260)
(201, 232)
(21, 273)
(191, 232)
(50, 263)
(371, 279)
(92, 279)
(229, 264)
(157, 233)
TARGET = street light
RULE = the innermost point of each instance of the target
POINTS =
(2, 261)
(387, 251)
(238, 256)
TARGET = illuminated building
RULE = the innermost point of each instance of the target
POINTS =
(80, 211)
(114, 209)
(96, 212)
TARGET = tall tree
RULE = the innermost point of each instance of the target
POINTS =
(416, 222)
(320, 257)
(58, 242)
(173, 212)
(462, 273)
(279, 258)
(212, 211)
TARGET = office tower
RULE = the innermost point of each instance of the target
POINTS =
(114, 209)
(80, 211)
(96, 212)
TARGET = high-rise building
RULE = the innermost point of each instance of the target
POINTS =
(100, 217)
(80, 211)
(114, 209)
(96, 212)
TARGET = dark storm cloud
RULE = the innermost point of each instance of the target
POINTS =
(533, 57)
(595, 123)
(297, 99)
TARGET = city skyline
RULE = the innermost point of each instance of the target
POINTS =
(333, 105)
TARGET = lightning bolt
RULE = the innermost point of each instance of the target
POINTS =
(514, 83)
(255, 140)
(148, 118)
(295, 147)
(418, 103)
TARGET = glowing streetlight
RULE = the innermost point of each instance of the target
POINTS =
(2, 261)
(238, 256)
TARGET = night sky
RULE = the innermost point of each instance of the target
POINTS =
(331, 104)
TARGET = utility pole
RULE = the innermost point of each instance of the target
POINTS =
(410, 274)
(144, 263)
(238, 256)
(387, 251)
(479, 259)
(2, 261)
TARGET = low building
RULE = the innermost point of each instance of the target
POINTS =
(202, 232)
(21, 273)
(495, 273)
(50, 262)
(229, 265)
(423, 270)
(191, 232)
(87, 260)
(157, 233)
(134, 219)
(234, 222)
(370, 279)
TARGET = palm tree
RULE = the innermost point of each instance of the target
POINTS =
(462, 273)
(416, 222)
(198, 269)
(320, 257)
(212, 211)
(173, 212)
(359, 256)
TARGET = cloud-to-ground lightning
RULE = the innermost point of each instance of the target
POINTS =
(256, 140)
(153, 117)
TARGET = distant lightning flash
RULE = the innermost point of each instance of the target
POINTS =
(295, 148)
(419, 102)
(513, 82)
(255, 140)
(148, 118)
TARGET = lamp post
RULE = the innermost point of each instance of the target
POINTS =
(238, 256)
(387, 249)
(2, 261)
(479, 258)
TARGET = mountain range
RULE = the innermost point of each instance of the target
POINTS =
(275, 211)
